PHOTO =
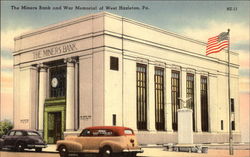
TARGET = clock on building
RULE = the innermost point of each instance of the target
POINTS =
(54, 82)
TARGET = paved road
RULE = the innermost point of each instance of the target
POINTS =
(148, 152)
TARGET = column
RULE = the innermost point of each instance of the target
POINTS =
(76, 114)
(183, 87)
(151, 98)
(198, 101)
(70, 94)
(168, 104)
(42, 94)
(213, 121)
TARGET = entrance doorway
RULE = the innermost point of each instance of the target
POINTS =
(54, 119)
(54, 127)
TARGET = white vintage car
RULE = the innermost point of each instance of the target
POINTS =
(103, 140)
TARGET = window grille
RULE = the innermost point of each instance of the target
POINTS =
(159, 99)
(141, 78)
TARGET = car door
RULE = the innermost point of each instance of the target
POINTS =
(9, 138)
(17, 137)
(82, 139)
(99, 136)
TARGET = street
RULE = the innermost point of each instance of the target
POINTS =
(148, 152)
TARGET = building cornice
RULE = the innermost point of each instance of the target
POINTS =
(103, 14)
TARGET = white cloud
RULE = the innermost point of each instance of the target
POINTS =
(7, 38)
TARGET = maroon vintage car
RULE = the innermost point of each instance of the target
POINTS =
(20, 139)
(104, 140)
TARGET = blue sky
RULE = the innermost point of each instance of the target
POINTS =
(196, 19)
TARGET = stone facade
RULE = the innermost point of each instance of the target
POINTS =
(96, 95)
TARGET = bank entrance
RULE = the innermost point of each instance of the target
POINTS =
(54, 119)
(55, 104)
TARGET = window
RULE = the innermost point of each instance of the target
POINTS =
(31, 133)
(204, 104)
(232, 105)
(190, 94)
(114, 63)
(159, 99)
(86, 132)
(175, 94)
(114, 119)
(58, 81)
(141, 78)
(221, 125)
(233, 125)
(128, 132)
(18, 133)
(12, 133)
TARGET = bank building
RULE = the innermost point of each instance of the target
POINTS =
(104, 69)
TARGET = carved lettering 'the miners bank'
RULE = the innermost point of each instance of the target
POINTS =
(56, 50)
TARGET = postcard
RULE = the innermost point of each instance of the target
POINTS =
(132, 78)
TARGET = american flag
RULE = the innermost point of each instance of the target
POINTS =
(217, 43)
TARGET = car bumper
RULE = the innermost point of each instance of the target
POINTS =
(36, 145)
(133, 151)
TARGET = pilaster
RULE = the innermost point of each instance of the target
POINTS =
(42, 94)
(70, 94)
(198, 101)
(151, 99)
(168, 104)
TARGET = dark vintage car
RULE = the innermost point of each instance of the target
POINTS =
(106, 141)
(19, 140)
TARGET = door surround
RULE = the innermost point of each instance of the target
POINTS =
(53, 105)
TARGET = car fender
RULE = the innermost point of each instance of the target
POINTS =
(115, 146)
(72, 146)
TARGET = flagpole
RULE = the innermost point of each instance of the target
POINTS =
(231, 152)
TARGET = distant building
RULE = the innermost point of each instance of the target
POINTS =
(103, 69)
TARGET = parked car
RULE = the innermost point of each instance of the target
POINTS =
(104, 140)
(22, 139)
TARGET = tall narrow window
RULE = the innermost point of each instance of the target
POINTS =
(175, 94)
(232, 104)
(221, 125)
(190, 94)
(204, 104)
(159, 99)
(141, 78)
(233, 125)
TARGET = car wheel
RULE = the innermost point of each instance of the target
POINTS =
(63, 151)
(38, 149)
(129, 155)
(81, 155)
(20, 147)
(106, 152)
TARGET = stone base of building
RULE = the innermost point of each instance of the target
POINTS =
(145, 137)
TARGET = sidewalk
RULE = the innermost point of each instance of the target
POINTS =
(239, 146)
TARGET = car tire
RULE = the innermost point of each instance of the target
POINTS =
(20, 147)
(81, 155)
(63, 151)
(106, 152)
(129, 155)
(133, 155)
(38, 149)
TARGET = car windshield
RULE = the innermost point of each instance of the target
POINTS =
(31, 133)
